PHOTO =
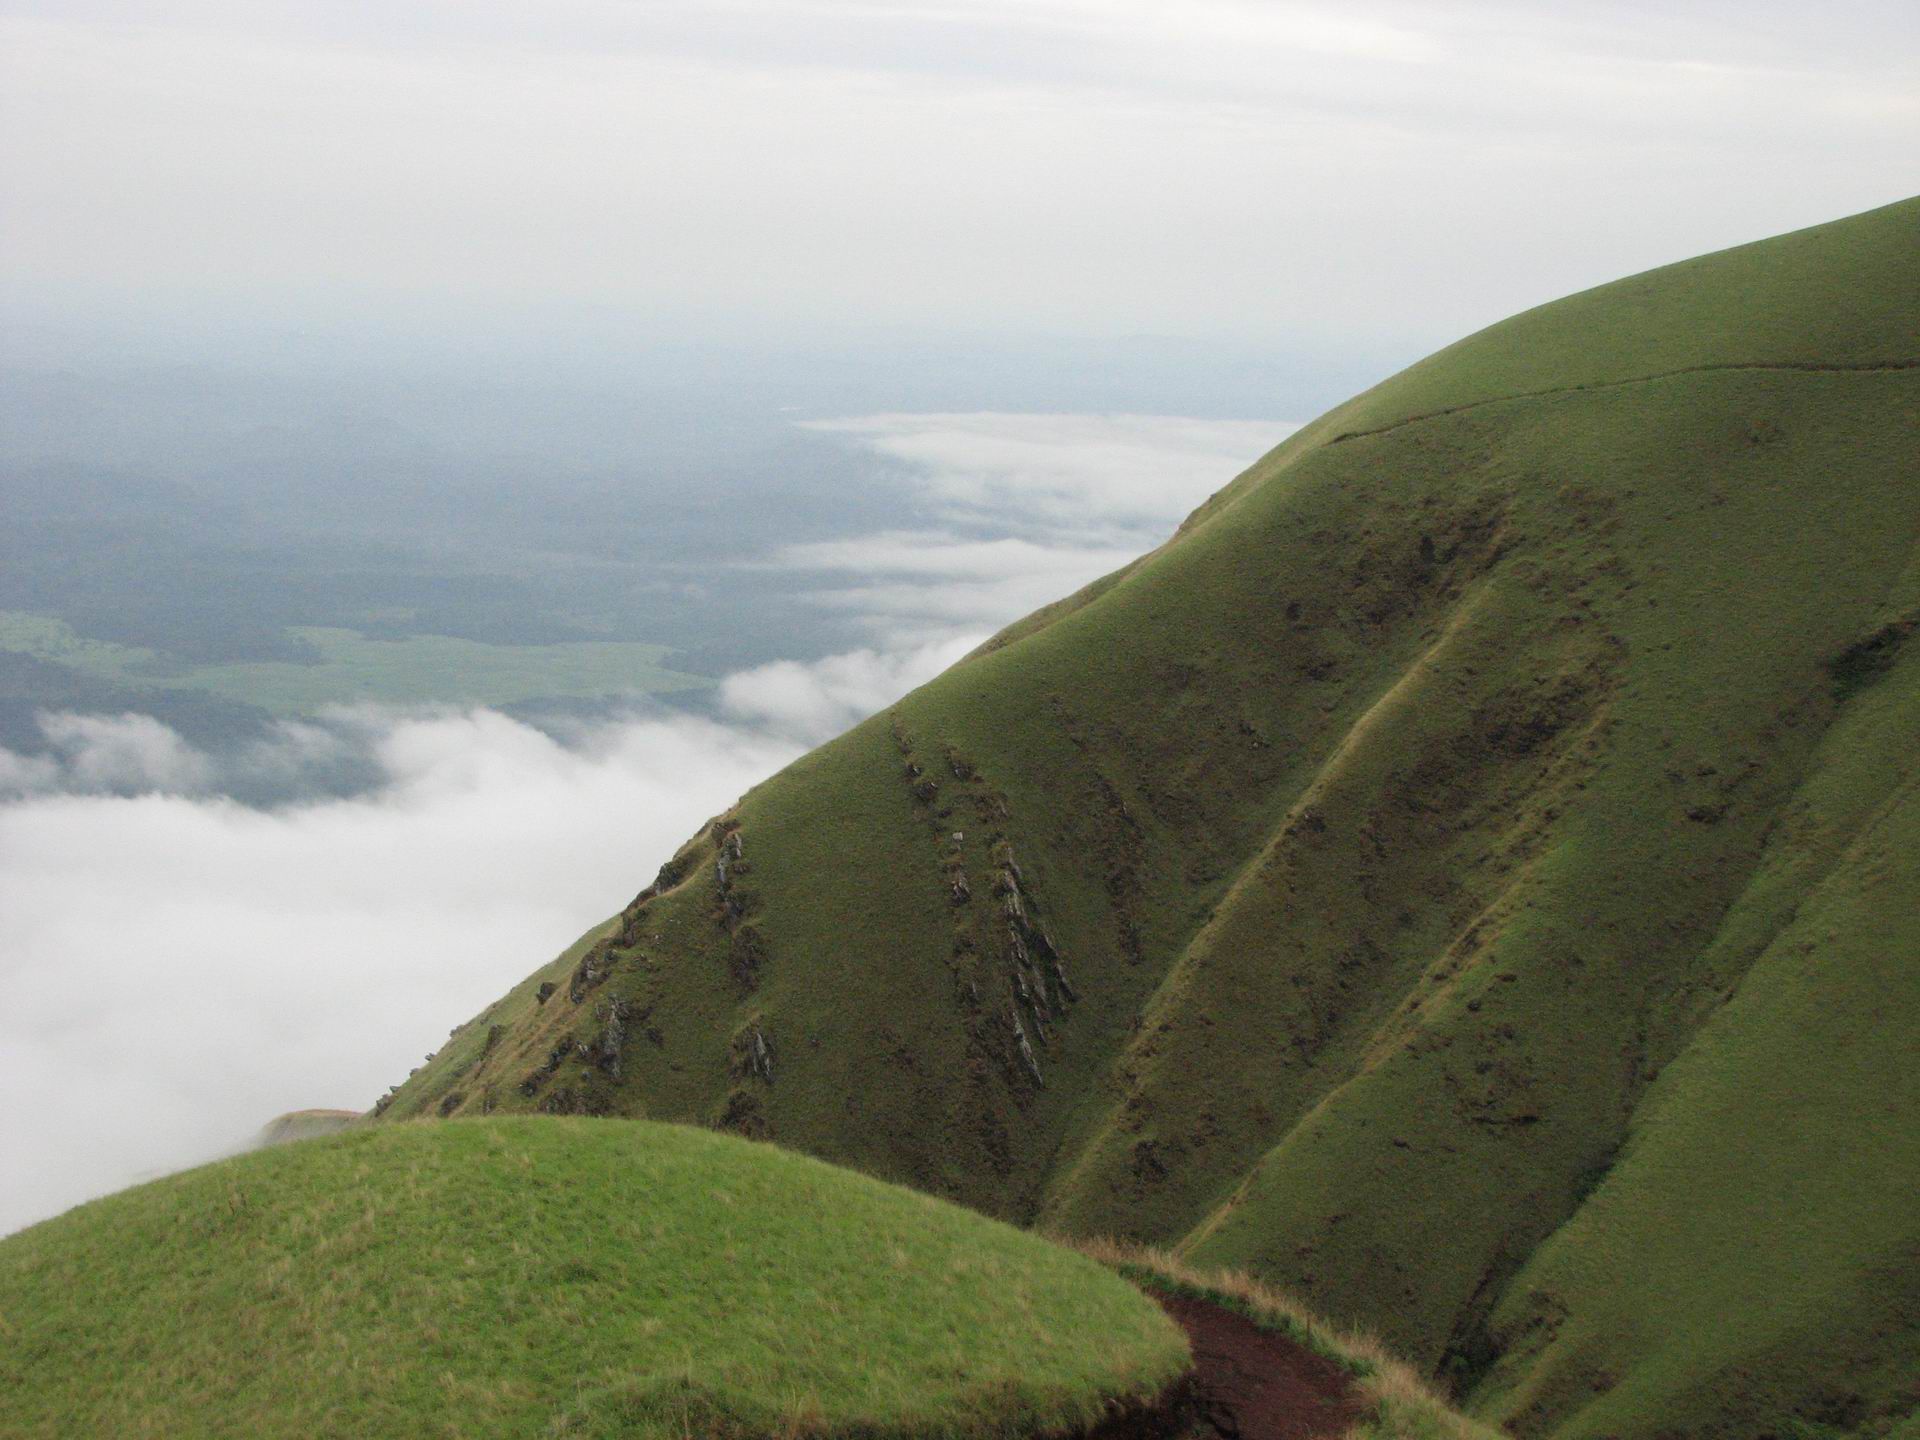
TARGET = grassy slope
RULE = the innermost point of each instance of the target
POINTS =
(518, 1277)
(1485, 810)
(1793, 1115)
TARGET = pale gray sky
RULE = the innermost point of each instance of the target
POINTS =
(1320, 171)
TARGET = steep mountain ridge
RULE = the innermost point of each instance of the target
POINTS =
(1465, 876)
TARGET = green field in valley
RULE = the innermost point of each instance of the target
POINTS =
(351, 668)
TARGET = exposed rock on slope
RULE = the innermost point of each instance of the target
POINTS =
(1485, 845)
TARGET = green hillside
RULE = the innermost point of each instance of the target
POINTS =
(1469, 876)
(517, 1277)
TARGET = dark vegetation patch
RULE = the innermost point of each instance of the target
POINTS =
(1869, 659)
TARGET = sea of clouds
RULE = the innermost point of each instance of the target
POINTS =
(177, 967)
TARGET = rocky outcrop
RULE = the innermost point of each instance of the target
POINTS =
(592, 971)
(751, 1055)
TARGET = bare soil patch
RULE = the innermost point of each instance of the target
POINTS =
(1255, 1384)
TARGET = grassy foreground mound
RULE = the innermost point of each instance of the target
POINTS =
(1469, 877)
(555, 1277)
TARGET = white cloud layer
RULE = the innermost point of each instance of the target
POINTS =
(1100, 476)
(102, 752)
(178, 970)
(816, 700)
(1026, 509)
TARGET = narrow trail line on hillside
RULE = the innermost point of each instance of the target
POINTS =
(1255, 1384)
(1863, 367)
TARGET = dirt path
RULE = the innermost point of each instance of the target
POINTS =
(1256, 1385)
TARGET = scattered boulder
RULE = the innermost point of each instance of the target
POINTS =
(594, 967)
(1023, 1048)
(613, 1037)
(1059, 972)
(746, 954)
(556, 1057)
(752, 1054)
(630, 919)
(744, 1115)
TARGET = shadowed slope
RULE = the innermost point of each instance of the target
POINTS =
(1440, 878)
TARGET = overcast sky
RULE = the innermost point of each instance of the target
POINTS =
(1338, 175)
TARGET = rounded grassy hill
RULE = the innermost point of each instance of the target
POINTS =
(523, 1276)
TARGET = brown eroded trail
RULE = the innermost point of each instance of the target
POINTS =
(1254, 1384)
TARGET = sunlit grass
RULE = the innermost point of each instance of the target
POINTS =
(561, 1277)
